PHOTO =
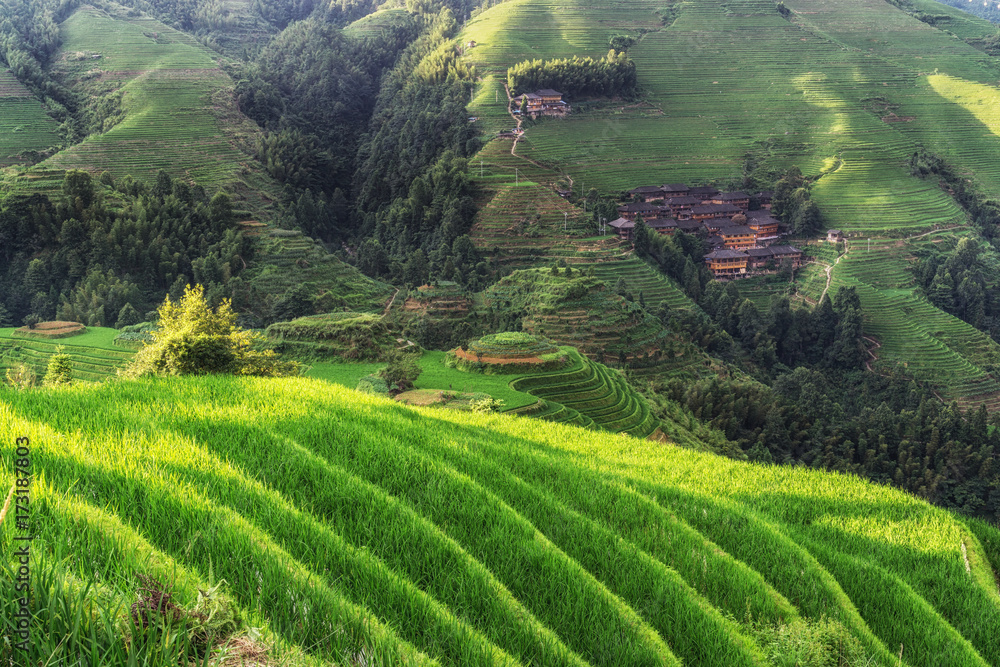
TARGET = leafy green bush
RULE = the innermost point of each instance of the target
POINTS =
(373, 384)
(487, 404)
(59, 370)
(194, 339)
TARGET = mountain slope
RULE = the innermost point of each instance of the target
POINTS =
(161, 98)
(846, 90)
(358, 529)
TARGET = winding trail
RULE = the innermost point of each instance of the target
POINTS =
(829, 271)
(391, 301)
(517, 138)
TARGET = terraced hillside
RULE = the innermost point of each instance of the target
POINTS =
(93, 355)
(175, 108)
(847, 90)
(587, 394)
(352, 530)
(25, 128)
(286, 259)
(578, 310)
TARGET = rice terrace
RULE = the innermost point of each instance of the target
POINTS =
(507, 333)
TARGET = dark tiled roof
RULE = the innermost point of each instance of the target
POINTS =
(703, 191)
(675, 187)
(726, 253)
(548, 92)
(639, 207)
(622, 223)
(732, 196)
(662, 223)
(762, 217)
(684, 200)
(647, 189)
(718, 210)
(784, 250)
(689, 225)
(773, 251)
(735, 230)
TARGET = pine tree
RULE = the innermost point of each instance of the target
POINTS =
(59, 370)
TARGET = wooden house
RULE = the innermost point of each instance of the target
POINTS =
(765, 197)
(646, 193)
(715, 242)
(703, 192)
(714, 211)
(545, 102)
(635, 209)
(727, 263)
(764, 225)
(759, 258)
(682, 205)
(689, 226)
(663, 226)
(674, 189)
(738, 199)
(787, 252)
(738, 237)
(834, 235)
(623, 227)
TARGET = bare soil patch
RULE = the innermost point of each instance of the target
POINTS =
(53, 329)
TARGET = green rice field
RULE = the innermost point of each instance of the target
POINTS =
(24, 125)
(179, 113)
(348, 529)
(93, 355)
(846, 90)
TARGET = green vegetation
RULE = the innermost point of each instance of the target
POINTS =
(59, 370)
(436, 374)
(26, 132)
(344, 336)
(192, 338)
(610, 76)
(511, 345)
(574, 308)
(173, 98)
(451, 538)
(93, 355)
(740, 94)
(588, 394)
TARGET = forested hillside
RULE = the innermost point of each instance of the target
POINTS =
(302, 158)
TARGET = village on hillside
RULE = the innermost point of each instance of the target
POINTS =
(742, 241)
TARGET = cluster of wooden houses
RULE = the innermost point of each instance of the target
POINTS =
(741, 240)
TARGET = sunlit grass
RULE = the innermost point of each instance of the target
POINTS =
(349, 525)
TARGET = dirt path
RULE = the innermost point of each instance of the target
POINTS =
(391, 301)
(517, 119)
(517, 138)
(829, 271)
(874, 357)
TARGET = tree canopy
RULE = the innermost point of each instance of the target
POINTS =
(194, 339)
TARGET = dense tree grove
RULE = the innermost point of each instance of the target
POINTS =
(884, 428)
(101, 252)
(412, 190)
(314, 90)
(613, 75)
(964, 281)
(792, 204)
